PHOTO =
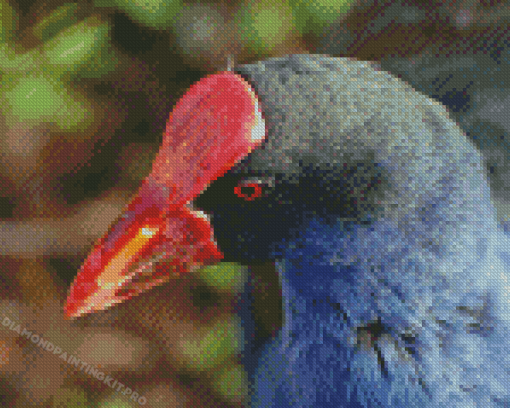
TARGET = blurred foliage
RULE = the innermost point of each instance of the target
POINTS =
(85, 91)
(157, 14)
(217, 344)
(82, 49)
(264, 24)
(41, 98)
(315, 15)
(70, 397)
(8, 20)
(226, 276)
(58, 20)
(232, 382)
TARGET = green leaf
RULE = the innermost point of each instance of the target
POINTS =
(8, 22)
(225, 276)
(314, 15)
(220, 342)
(153, 13)
(61, 18)
(13, 62)
(263, 25)
(41, 98)
(232, 382)
(83, 49)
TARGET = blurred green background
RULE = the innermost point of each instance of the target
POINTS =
(85, 91)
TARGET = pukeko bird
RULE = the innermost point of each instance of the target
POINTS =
(375, 209)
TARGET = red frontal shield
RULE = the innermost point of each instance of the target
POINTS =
(213, 126)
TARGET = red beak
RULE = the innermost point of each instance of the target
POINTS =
(213, 126)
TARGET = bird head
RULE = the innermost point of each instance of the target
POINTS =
(247, 161)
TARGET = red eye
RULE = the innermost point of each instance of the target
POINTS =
(248, 191)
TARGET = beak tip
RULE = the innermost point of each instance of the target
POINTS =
(73, 310)
(69, 313)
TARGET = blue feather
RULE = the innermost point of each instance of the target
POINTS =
(394, 268)
(376, 321)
